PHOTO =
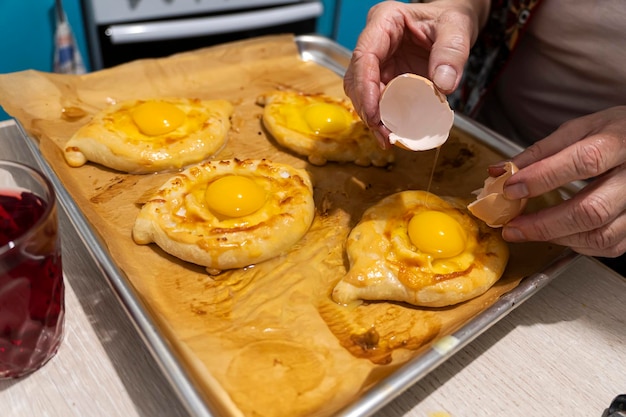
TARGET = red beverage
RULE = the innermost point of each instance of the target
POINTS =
(31, 282)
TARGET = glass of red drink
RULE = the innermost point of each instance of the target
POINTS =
(31, 278)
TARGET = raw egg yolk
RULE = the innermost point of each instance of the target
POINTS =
(437, 234)
(155, 118)
(234, 196)
(326, 118)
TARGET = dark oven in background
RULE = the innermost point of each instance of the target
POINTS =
(119, 31)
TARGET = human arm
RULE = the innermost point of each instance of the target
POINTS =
(429, 39)
(592, 222)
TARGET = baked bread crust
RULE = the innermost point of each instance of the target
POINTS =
(354, 144)
(179, 222)
(113, 140)
(385, 266)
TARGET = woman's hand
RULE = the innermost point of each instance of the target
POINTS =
(428, 39)
(592, 222)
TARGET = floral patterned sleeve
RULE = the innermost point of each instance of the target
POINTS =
(508, 19)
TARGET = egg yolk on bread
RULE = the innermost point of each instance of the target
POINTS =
(416, 247)
(228, 214)
(151, 135)
(320, 127)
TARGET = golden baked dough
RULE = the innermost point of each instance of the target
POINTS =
(144, 136)
(228, 214)
(321, 127)
(416, 247)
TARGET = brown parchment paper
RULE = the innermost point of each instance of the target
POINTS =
(265, 340)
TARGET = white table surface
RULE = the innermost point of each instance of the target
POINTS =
(561, 353)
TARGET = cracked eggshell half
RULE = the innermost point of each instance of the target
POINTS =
(491, 206)
(416, 113)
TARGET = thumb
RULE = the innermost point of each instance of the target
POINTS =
(448, 56)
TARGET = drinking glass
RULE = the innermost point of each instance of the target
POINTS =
(32, 294)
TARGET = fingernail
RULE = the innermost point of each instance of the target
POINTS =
(495, 170)
(516, 191)
(445, 77)
(511, 234)
(500, 164)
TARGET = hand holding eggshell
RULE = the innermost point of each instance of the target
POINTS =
(593, 221)
(430, 39)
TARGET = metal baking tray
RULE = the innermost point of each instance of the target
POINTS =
(327, 53)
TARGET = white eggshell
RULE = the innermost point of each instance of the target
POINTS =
(491, 206)
(416, 113)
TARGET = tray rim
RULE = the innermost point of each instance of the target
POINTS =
(325, 52)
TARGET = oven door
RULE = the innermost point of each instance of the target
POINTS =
(118, 43)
